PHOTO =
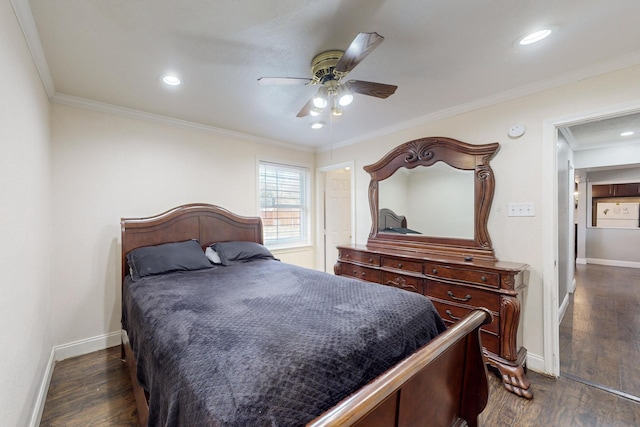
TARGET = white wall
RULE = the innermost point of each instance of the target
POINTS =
(520, 168)
(106, 167)
(25, 226)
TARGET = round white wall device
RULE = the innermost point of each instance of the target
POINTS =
(516, 130)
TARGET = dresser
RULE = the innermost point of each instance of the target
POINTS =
(455, 287)
(430, 200)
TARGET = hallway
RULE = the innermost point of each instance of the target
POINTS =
(600, 331)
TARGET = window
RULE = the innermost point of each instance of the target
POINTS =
(284, 204)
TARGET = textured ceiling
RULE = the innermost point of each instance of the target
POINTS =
(441, 54)
(604, 133)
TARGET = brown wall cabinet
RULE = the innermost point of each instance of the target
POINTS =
(616, 190)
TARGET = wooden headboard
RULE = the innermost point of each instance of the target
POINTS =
(388, 218)
(206, 223)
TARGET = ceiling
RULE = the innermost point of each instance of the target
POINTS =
(603, 133)
(443, 55)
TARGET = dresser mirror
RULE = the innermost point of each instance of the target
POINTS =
(433, 195)
(436, 201)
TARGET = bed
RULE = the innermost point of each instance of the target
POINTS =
(198, 369)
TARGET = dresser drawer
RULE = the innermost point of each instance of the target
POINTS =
(401, 264)
(362, 273)
(452, 313)
(483, 278)
(490, 341)
(363, 258)
(463, 295)
(408, 283)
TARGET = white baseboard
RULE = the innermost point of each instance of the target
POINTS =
(581, 260)
(613, 262)
(88, 345)
(536, 363)
(65, 351)
(41, 397)
(563, 308)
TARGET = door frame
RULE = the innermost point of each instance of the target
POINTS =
(320, 207)
(551, 323)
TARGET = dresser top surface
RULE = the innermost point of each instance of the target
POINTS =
(445, 259)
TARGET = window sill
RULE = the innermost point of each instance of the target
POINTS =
(290, 249)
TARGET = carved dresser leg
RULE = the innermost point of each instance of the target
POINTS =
(513, 376)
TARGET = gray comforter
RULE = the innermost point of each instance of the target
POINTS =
(265, 343)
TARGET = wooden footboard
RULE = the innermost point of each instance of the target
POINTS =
(445, 383)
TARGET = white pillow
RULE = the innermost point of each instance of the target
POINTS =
(212, 255)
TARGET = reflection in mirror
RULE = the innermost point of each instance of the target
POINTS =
(436, 201)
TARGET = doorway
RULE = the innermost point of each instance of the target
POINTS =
(336, 213)
(552, 236)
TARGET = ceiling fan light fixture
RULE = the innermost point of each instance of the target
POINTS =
(317, 125)
(336, 111)
(627, 133)
(315, 111)
(345, 97)
(320, 98)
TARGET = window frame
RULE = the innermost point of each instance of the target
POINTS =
(304, 206)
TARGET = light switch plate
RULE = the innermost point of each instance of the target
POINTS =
(521, 209)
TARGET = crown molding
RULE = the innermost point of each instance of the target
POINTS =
(24, 16)
(547, 84)
(89, 104)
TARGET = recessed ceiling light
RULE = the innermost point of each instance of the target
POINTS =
(535, 36)
(317, 125)
(629, 133)
(171, 80)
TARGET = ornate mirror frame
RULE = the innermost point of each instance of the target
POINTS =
(426, 152)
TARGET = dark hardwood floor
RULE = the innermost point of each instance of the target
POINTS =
(95, 389)
(91, 390)
(600, 331)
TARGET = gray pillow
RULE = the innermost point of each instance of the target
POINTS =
(235, 252)
(160, 259)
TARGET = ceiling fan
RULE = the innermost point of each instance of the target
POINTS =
(328, 69)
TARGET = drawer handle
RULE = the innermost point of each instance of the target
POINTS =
(434, 271)
(363, 274)
(355, 271)
(400, 282)
(464, 299)
(370, 260)
(483, 278)
(346, 256)
(450, 314)
(399, 265)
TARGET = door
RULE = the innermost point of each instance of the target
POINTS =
(337, 214)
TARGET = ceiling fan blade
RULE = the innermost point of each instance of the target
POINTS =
(283, 81)
(359, 48)
(306, 110)
(379, 90)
